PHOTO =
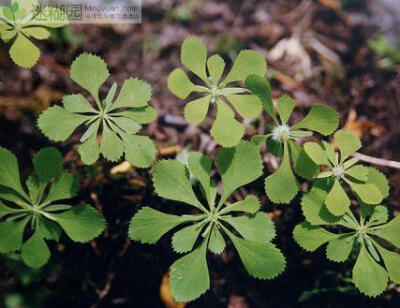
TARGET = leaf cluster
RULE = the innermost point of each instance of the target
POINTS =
(242, 222)
(23, 21)
(37, 213)
(228, 98)
(371, 237)
(281, 139)
(112, 124)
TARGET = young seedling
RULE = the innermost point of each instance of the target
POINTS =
(371, 235)
(249, 229)
(118, 120)
(226, 130)
(31, 218)
(281, 140)
(339, 169)
(22, 21)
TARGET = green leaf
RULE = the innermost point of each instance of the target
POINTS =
(392, 263)
(32, 183)
(82, 223)
(247, 105)
(247, 62)
(127, 125)
(48, 229)
(226, 130)
(282, 187)
(337, 201)
(187, 281)
(347, 142)
(10, 194)
(149, 225)
(140, 151)
(217, 242)
(134, 93)
(275, 147)
(312, 237)
(238, 166)
(316, 153)
(77, 103)
(92, 130)
(378, 179)
(111, 145)
(141, 115)
(23, 52)
(196, 111)
(179, 83)
(379, 215)
(339, 249)
(200, 166)
(194, 55)
(34, 251)
(368, 193)
(321, 118)
(330, 153)
(66, 123)
(314, 210)
(180, 189)
(64, 187)
(5, 210)
(38, 33)
(90, 72)
(358, 172)
(258, 227)
(260, 86)
(285, 107)
(14, 230)
(215, 65)
(7, 34)
(261, 259)
(9, 172)
(249, 205)
(90, 150)
(368, 276)
(390, 231)
(48, 164)
(184, 239)
(303, 164)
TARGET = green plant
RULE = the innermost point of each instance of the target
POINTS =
(24, 20)
(390, 55)
(30, 218)
(226, 130)
(118, 120)
(371, 235)
(189, 277)
(339, 169)
(281, 140)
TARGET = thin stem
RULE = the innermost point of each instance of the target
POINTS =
(377, 161)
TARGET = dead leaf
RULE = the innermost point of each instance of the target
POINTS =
(362, 127)
(236, 301)
(123, 167)
(169, 150)
(166, 296)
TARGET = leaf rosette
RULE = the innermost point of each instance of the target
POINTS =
(371, 238)
(226, 130)
(111, 125)
(281, 139)
(25, 20)
(250, 230)
(339, 169)
(29, 219)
